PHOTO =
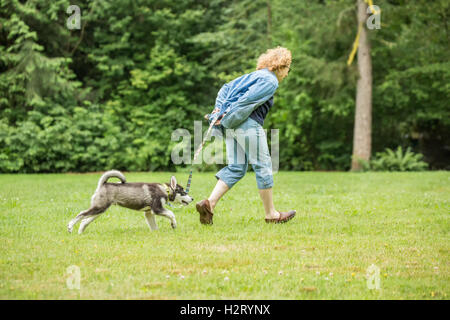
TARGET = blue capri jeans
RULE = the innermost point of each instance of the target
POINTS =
(247, 144)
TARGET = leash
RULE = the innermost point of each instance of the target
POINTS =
(188, 186)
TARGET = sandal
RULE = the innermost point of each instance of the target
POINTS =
(206, 214)
(284, 217)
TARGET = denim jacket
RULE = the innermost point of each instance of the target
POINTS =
(238, 98)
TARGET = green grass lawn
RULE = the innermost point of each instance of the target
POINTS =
(345, 223)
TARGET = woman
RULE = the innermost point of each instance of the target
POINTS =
(247, 101)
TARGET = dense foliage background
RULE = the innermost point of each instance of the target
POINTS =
(110, 95)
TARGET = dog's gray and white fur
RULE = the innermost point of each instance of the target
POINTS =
(147, 197)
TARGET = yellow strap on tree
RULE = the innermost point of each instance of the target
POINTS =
(355, 46)
(356, 42)
(370, 3)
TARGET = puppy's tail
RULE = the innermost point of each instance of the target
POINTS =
(110, 174)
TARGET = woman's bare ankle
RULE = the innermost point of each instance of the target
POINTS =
(212, 203)
(274, 214)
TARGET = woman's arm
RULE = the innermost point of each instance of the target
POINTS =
(221, 96)
(257, 94)
(220, 100)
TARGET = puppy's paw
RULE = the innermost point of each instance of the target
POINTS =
(173, 224)
(69, 228)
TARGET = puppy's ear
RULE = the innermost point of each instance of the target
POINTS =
(173, 183)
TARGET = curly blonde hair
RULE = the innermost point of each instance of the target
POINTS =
(274, 59)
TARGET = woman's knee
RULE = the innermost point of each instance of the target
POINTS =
(238, 170)
(231, 174)
(264, 175)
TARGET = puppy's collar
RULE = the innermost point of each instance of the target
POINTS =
(169, 195)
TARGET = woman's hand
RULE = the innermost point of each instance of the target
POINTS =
(207, 116)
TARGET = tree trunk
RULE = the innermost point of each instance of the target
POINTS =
(362, 134)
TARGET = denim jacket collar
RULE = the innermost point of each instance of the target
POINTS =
(271, 73)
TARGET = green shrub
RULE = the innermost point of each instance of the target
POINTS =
(397, 160)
